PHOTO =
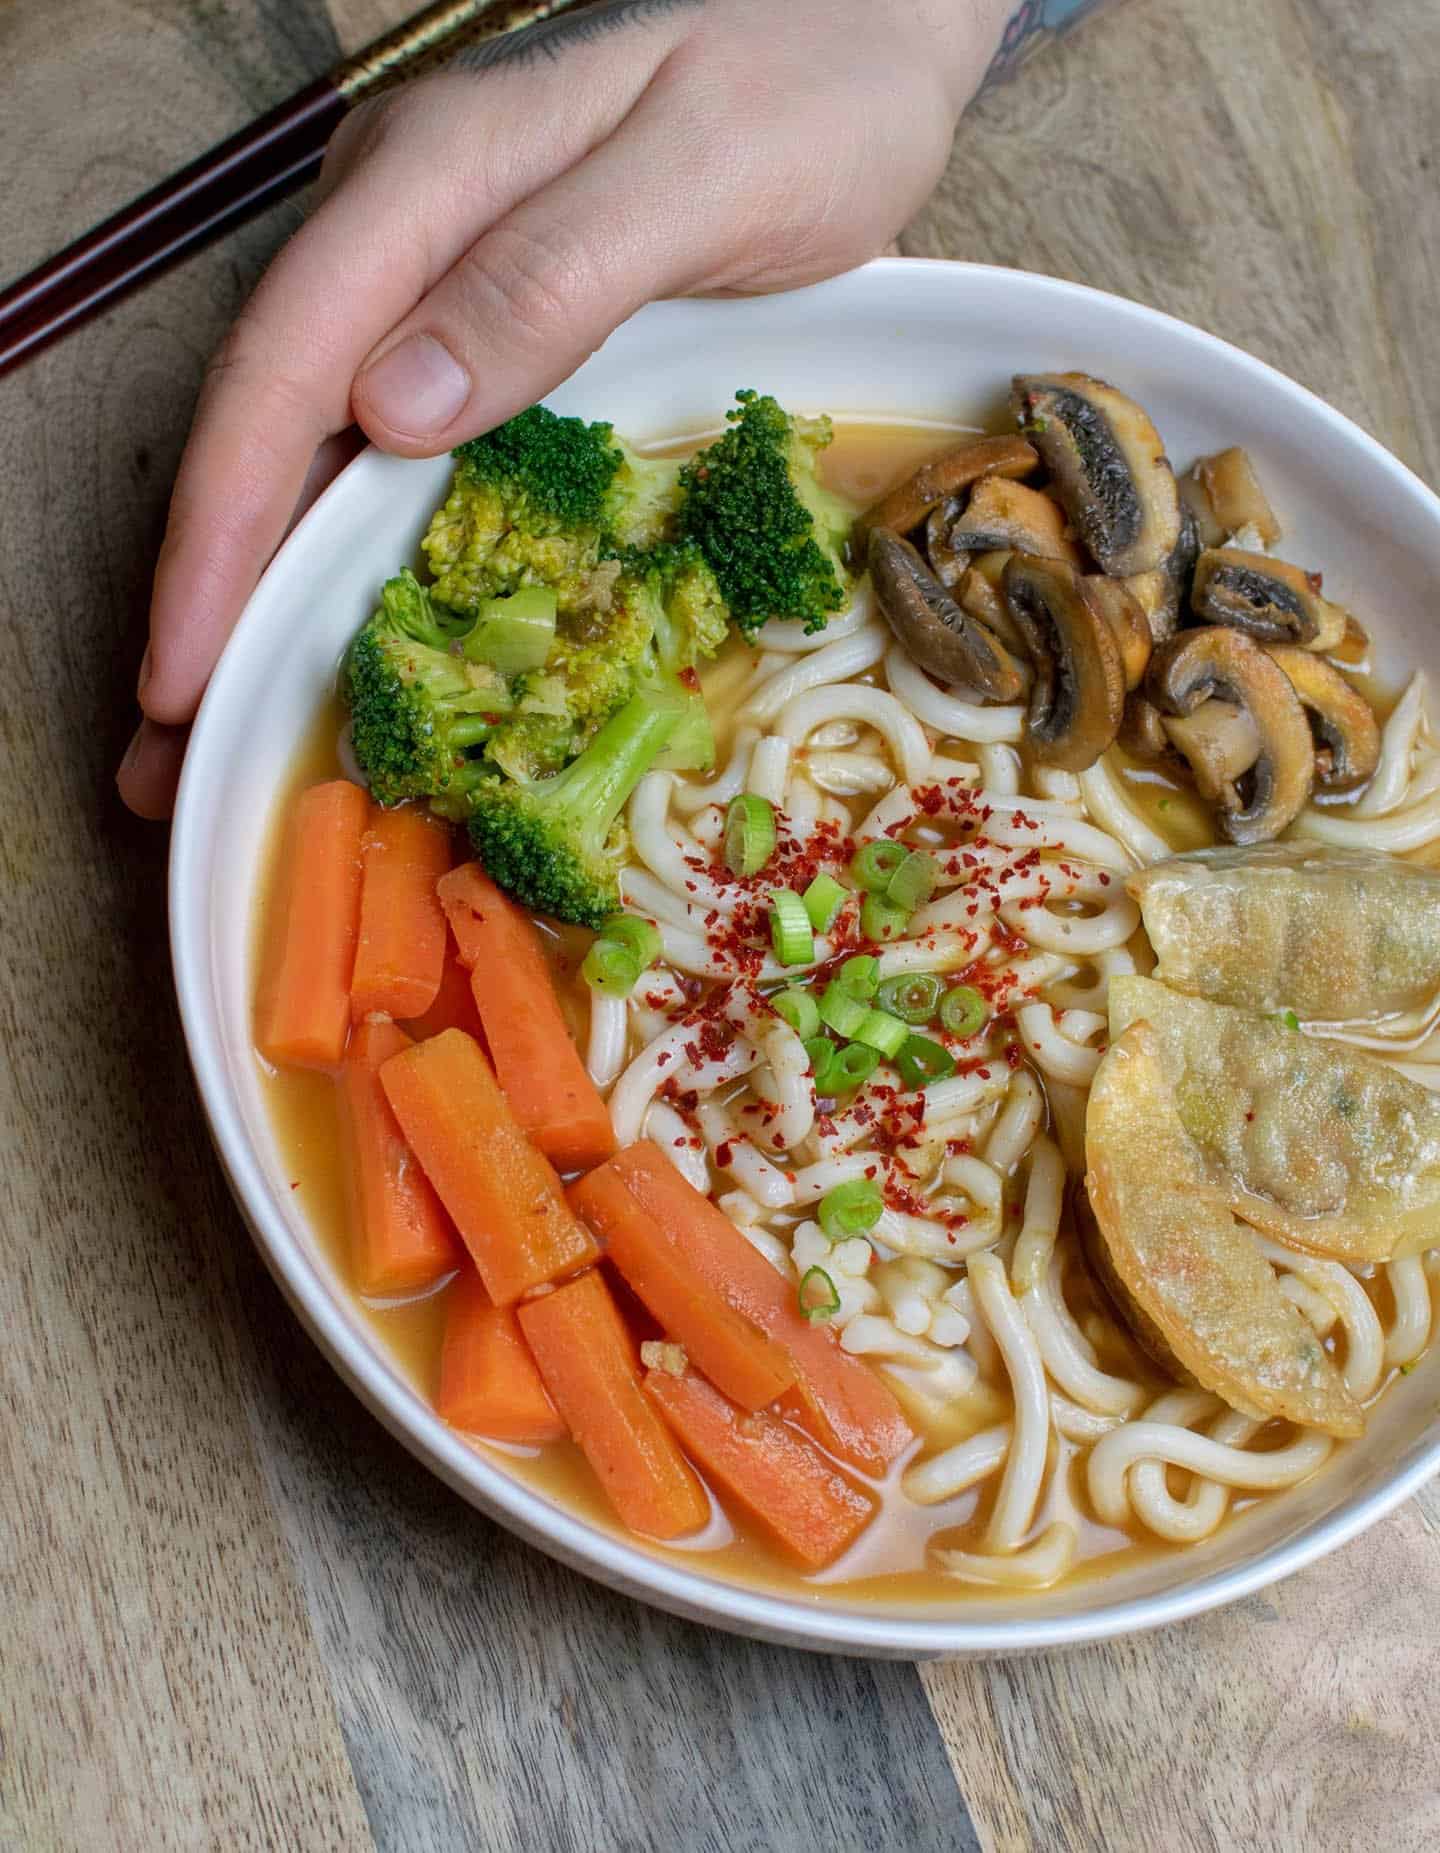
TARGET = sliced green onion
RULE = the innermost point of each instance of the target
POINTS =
(749, 834)
(858, 977)
(513, 634)
(821, 1051)
(637, 936)
(610, 968)
(913, 882)
(823, 900)
(840, 1011)
(819, 1296)
(790, 933)
(799, 1009)
(922, 1061)
(882, 1032)
(850, 1209)
(964, 1011)
(876, 862)
(911, 996)
(855, 1063)
(881, 919)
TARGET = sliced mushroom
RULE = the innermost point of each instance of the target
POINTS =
(1347, 736)
(1270, 600)
(978, 595)
(1128, 623)
(1196, 503)
(1079, 688)
(942, 639)
(1003, 515)
(1109, 466)
(1232, 489)
(948, 563)
(1164, 595)
(906, 506)
(1142, 728)
(1219, 742)
(1219, 664)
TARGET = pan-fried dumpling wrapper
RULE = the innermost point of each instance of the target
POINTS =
(1336, 935)
(1318, 1144)
(1194, 1270)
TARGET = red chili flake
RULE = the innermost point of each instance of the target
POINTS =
(724, 1153)
(663, 1058)
(295, 1184)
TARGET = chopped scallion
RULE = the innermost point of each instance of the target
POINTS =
(911, 996)
(881, 1032)
(637, 936)
(913, 882)
(749, 834)
(790, 933)
(881, 920)
(610, 968)
(855, 1063)
(859, 976)
(876, 862)
(823, 900)
(840, 1011)
(922, 1061)
(850, 1209)
(964, 1011)
(819, 1296)
(799, 1009)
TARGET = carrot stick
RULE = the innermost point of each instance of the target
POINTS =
(504, 1196)
(400, 953)
(304, 1009)
(536, 1062)
(488, 1381)
(838, 1398)
(582, 1348)
(734, 1354)
(401, 1239)
(454, 1005)
(782, 1480)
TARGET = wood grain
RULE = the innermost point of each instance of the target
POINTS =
(237, 1614)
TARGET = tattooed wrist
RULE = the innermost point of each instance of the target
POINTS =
(1033, 24)
(549, 38)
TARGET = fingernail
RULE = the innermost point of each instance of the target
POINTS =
(417, 388)
(144, 675)
(132, 752)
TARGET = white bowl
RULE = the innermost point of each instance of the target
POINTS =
(905, 338)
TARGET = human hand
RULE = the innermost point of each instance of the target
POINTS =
(482, 231)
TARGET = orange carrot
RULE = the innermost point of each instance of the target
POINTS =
(453, 1008)
(734, 1354)
(504, 1196)
(304, 1009)
(582, 1348)
(782, 1480)
(401, 1238)
(837, 1397)
(488, 1381)
(536, 1062)
(400, 953)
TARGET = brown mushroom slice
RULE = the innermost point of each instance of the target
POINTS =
(1142, 728)
(1327, 1149)
(1164, 595)
(1232, 489)
(942, 639)
(907, 505)
(948, 563)
(1347, 735)
(1078, 692)
(1003, 515)
(1109, 466)
(1220, 664)
(1128, 624)
(1193, 1269)
(979, 596)
(1219, 742)
(1270, 600)
(1196, 503)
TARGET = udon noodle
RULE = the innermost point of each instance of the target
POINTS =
(971, 1290)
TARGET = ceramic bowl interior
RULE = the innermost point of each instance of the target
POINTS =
(896, 339)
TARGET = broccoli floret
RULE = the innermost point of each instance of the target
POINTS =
(553, 843)
(543, 500)
(689, 621)
(754, 506)
(417, 709)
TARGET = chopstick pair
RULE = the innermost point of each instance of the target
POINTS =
(273, 156)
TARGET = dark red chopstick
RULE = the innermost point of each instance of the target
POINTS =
(273, 156)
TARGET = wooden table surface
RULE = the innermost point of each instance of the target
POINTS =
(233, 1612)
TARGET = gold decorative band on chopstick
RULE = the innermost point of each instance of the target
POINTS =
(427, 40)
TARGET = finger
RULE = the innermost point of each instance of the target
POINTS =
(150, 771)
(282, 383)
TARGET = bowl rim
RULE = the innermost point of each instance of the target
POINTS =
(629, 1568)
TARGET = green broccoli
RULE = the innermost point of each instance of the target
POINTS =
(543, 500)
(689, 622)
(554, 843)
(754, 506)
(418, 710)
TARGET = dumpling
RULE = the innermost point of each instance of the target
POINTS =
(1191, 1273)
(1336, 935)
(1319, 1145)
